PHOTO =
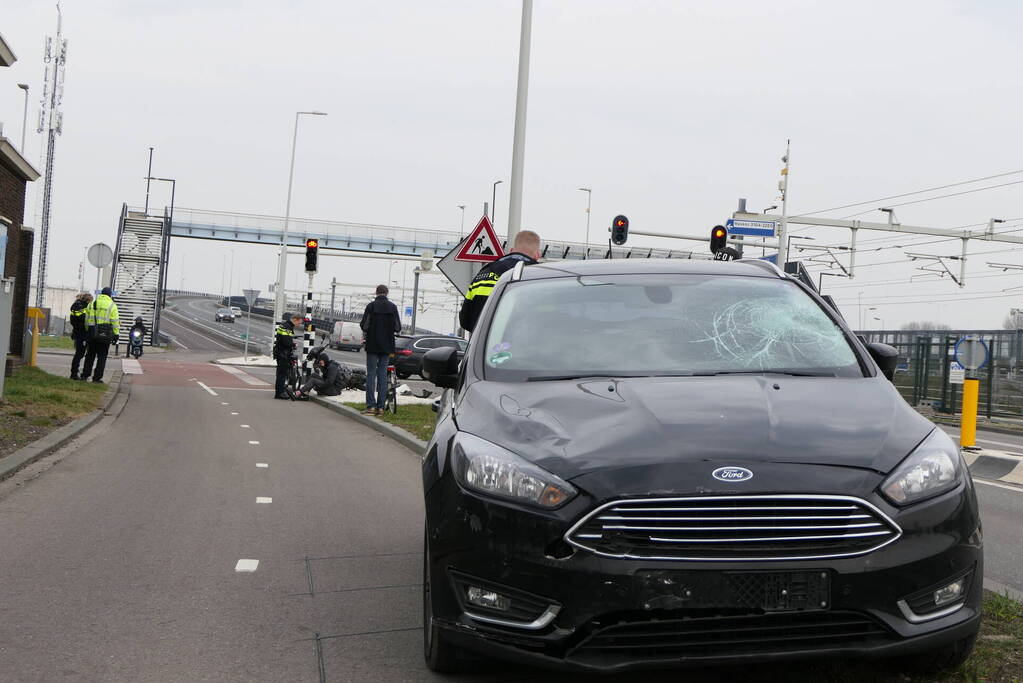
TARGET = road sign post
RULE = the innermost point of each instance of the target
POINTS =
(973, 354)
(250, 298)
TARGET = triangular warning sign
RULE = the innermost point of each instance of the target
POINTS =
(482, 245)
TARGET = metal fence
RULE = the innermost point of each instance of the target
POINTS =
(925, 362)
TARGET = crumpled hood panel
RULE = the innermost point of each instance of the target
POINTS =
(573, 427)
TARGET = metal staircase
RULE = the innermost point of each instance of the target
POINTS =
(138, 270)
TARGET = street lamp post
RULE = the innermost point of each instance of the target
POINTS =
(282, 265)
(589, 196)
(461, 230)
(24, 117)
(166, 241)
(493, 203)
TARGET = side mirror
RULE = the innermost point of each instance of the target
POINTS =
(886, 357)
(440, 366)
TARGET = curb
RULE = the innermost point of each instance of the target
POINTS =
(995, 467)
(400, 435)
(42, 447)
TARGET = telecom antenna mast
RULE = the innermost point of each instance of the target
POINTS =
(51, 121)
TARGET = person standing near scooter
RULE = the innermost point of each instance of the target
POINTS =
(104, 325)
(78, 331)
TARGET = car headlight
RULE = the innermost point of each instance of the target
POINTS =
(488, 468)
(934, 467)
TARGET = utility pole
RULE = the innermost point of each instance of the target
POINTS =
(149, 179)
(51, 121)
(783, 229)
(519, 140)
(415, 298)
(333, 288)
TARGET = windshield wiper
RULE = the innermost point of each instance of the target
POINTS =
(791, 373)
(554, 378)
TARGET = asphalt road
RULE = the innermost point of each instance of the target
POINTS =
(121, 553)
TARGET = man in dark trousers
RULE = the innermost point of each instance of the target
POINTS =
(79, 336)
(380, 322)
(102, 322)
(284, 347)
(525, 250)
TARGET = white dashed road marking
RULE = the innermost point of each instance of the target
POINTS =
(212, 393)
(264, 500)
(234, 413)
(262, 465)
(253, 443)
(246, 565)
(244, 426)
(224, 403)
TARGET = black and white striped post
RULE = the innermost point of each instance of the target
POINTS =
(311, 248)
(307, 339)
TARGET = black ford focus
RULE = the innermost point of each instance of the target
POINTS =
(644, 464)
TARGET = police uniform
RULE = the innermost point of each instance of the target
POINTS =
(103, 324)
(483, 284)
(78, 334)
(284, 347)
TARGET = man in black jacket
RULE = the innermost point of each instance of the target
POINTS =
(380, 322)
(525, 250)
(79, 336)
(331, 381)
(284, 347)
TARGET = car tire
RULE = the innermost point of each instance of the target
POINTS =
(401, 375)
(440, 655)
(945, 658)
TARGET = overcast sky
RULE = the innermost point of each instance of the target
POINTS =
(669, 110)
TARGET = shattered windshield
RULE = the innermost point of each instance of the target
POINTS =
(625, 325)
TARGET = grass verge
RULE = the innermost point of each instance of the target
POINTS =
(416, 418)
(36, 402)
(48, 342)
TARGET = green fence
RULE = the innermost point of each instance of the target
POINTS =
(924, 371)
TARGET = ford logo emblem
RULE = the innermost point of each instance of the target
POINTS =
(732, 474)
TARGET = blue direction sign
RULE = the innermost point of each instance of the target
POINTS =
(737, 226)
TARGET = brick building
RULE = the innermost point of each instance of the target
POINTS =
(15, 174)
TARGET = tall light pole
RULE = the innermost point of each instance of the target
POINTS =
(493, 203)
(519, 140)
(589, 196)
(166, 250)
(24, 117)
(461, 230)
(282, 264)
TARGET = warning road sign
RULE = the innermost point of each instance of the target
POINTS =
(482, 245)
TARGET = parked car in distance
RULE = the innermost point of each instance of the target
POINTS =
(409, 351)
(236, 310)
(647, 463)
(347, 335)
(224, 315)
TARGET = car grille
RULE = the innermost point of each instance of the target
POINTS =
(673, 639)
(735, 528)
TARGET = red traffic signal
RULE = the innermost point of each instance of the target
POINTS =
(718, 238)
(619, 229)
(311, 248)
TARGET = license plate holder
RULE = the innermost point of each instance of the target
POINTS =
(790, 591)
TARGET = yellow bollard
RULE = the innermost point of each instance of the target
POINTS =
(34, 355)
(968, 426)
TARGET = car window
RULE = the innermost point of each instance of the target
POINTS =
(462, 345)
(426, 344)
(401, 342)
(662, 324)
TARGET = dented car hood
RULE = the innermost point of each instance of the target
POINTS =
(574, 427)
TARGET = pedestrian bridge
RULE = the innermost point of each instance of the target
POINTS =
(370, 238)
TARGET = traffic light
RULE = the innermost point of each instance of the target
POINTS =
(718, 238)
(311, 247)
(619, 229)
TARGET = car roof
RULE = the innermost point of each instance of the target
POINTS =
(640, 266)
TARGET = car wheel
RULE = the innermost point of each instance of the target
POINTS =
(945, 658)
(401, 375)
(440, 655)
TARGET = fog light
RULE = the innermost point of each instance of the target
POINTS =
(482, 597)
(949, 593)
